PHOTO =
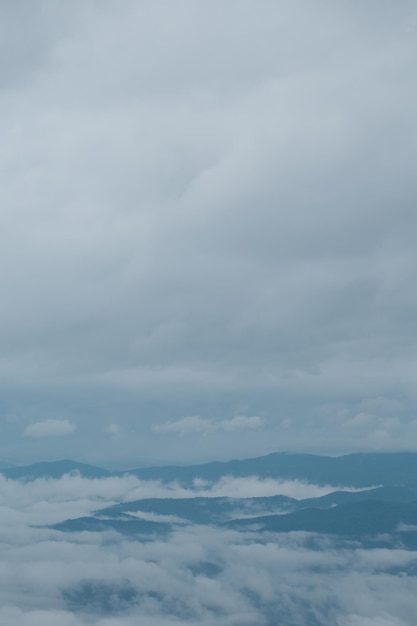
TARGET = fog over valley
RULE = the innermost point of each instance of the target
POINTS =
(114, 550)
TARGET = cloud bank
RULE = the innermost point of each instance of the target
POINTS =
(193, 576)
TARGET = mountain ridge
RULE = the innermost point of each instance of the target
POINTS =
(358, 470)
(388, 468)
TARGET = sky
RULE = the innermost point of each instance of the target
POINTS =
(207, 229)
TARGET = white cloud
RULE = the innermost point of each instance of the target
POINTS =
(113, 429)
(197, 424)
(50, 500)
(254, 487)
(49, 428)
(380, 620)
(281, 575)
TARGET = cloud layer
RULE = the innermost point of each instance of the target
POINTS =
(193, 576)
(206, 207)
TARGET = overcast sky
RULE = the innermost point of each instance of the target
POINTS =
(207, 228)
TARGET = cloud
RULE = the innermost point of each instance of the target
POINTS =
(189, 223)
(50, 428)
(45, 501)
(254, 487)
(203, 223)
(113, 429)
(197, 424)
(195, 575)
(380, 620)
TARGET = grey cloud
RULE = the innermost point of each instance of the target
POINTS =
(207, 209)
(216, 200)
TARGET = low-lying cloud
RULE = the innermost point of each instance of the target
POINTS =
(195, 575)
(44, 500)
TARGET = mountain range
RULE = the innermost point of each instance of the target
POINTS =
(358, 470)
(374, 500)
